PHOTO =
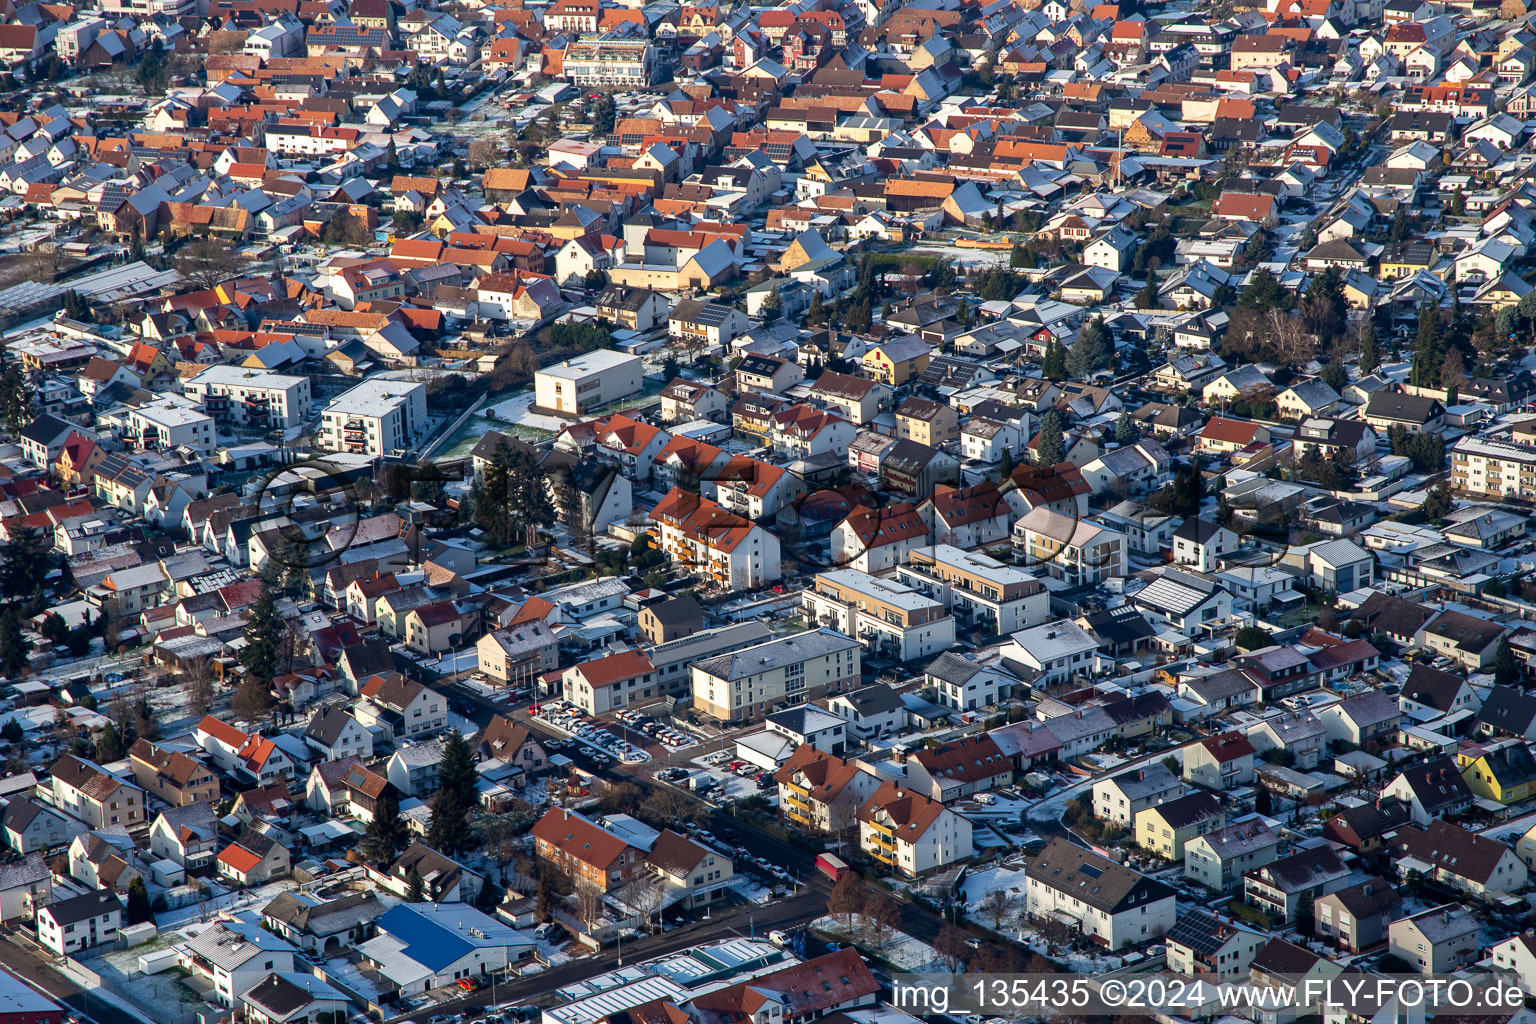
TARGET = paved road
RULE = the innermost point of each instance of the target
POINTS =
(917, 921)
(36, 970)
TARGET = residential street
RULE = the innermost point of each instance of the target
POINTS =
(36, 970)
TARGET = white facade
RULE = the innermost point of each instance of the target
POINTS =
(588, 381)
(251, 397)
(891, 618)
(172, 421)
(1057, 650)
(375, 418)
(945, 840)
(1145, 912)
(80, 922)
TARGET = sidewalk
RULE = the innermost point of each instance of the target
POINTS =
(42, 971)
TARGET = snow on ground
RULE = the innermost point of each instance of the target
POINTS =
(732, 786)
(978, 883)
(752, 890)
(496, 694)
(902, 950)
(465, 726)
(519, 410)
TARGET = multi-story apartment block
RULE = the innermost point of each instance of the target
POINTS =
(611, 60)
(909, 832)
(376, 417)
(733, 552)
(252, 398)
(979, 591)
(170, 421)
(1072, 550)
(791, 669)
(585, 852)
(1481, 465)
(894, 620)
(820, 791)
(602, 684)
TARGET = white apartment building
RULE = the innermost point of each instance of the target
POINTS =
(611, 60)
(375, 418)
(251, 397)
(1482, 465)
(169, 422)
(733, 552)
(588, 381)
(1109, 902)
(977, 590)
(911, 833)
(792, 669)
(232, 957)
(892, 619)
(1075, 551)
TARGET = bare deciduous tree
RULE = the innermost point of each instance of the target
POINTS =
(589, 905)
(207, 262)
(485, 152)
(998, 906)
(848, 897)
(843, 822)
(951, 946)
(231, 41)
(882, 916)
(1293, 344)
(645, 894)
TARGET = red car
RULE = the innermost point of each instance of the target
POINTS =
(468, 984)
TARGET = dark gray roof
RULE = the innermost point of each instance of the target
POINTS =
(46, 429)
(277, 996)
(874, 700)
(83, 908)
(1097, 881)
(326, 727)
(1401, 408)
(1189, 809)
(1438, 784)
(952, 668)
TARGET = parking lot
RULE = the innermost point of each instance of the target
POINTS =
(632, 739)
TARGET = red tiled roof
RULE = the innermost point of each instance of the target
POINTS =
(577, 837)
(239, 858)
(222, 731)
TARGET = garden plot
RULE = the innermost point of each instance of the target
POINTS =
(898, 948)
(1001, 877)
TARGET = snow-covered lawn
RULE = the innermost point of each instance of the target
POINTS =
(902, 950)
(978, 883)
(519, 410)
